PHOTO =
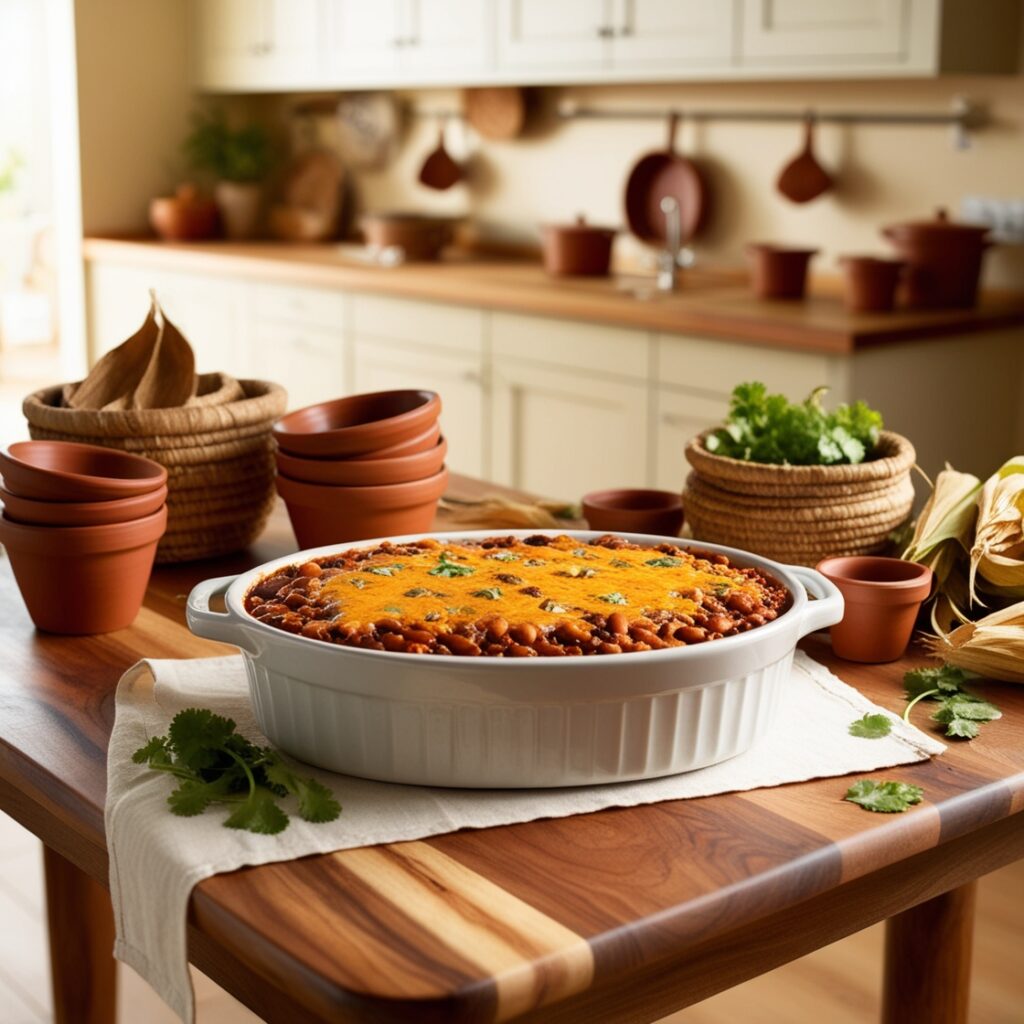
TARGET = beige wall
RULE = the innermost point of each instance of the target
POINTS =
(885, 174)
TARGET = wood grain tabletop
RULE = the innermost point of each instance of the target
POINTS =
(620, 915)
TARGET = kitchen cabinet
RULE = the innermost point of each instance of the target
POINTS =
(442, 35)
(671, 33)
(678, 416)
(363, 39)
(568, 34)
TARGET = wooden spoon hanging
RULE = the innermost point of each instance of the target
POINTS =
(803, 178)
(439, 170)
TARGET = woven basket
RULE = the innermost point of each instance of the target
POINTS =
(219, 458)
(800, 514)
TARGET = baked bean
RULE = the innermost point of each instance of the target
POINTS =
(532, 591)
(571, 632)
(497, 627)
(524, 633)
(388, 626)
(756, 619)
(417, 649)
(691, 634)
(618, 623)
(607, 648)
(520, 651)
(269, 587)
(417, 636)
(720, 624)
(295, 600)
(270, 608)
(310, 569)
(460, 645)
(652, 640)
(393, 642)
(740, 602)
(548, 649)
(317, 630)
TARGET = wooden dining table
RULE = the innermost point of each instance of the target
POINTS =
(618, 916)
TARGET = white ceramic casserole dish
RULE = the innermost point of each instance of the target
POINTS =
(518, 722)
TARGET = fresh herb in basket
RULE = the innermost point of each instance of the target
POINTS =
(771, 429)
(215, 765)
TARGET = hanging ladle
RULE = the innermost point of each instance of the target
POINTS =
(439, 170)
(803, 178)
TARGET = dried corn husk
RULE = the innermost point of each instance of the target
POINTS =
(992, 646)
(997, 554)
(496, 512)
(945, 527)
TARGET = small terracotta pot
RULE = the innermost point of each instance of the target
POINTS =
(420, 443)
(420, 237)
(577, 250)
(870, 284)
(81, 513)
(778, 272)
(364, 472)
(883, 597)
(321, 514)
(357, 424)
(186, 216)
(68, 471)
(83, 579)
(634, 511)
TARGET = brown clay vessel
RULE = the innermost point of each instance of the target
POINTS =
(364, 472)
(321, 514)
(778, 272)
(870, 283)
(420, 237)
(634, 510)
(186, 216)
(577, 250)
(357, 424)
(69, 471)
(420, 443)
(803, 178)
(81, 513)
(883, 596)
(83, 579)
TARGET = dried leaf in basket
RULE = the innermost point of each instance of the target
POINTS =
(114, 378)
(170, 378)
(496, 512)
(992, 646)
(946, 524)
(997, 555)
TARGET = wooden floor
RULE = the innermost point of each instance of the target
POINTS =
(839, 984)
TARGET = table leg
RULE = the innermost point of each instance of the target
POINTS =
(81, 925)
(928, 960)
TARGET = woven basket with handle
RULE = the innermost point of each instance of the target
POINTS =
(800, 514)
(219, 458)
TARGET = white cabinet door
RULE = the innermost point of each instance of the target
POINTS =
(672, 33)
(458, 379)
(445, 38)
(680, 416)
(117, 303)
(561, 34)
(807, 30)
(293, 45)
(307, 361)
(364, 38)
(560, 434)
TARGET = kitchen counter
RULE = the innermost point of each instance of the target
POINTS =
(708, 304)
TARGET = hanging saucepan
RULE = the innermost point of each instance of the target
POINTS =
(661, 174)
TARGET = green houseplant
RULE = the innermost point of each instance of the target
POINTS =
(239, 160)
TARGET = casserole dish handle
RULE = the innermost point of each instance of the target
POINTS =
(828, 607)
(204, 622)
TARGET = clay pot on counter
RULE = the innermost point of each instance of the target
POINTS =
(81, 513)
(778, 271)
(421, 238)
(577, 250)
(80, 580)
(883, 597)
(364, 472)
(633, 510)
(322, 514)
(870, 283)
(420, 443)
(943, 260)
(186, 216)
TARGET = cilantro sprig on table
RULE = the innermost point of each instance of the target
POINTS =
(871, 727)
(215, 765)
(884, 797)
(960, 711)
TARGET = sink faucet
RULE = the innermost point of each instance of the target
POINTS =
(669, 256)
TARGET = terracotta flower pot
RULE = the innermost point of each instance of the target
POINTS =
(321, 514)
(779, 272)
(186, 216)
(357, 424)
(577, 250)
(239, 203)
(364, 472)
(81, 513)
(83, 579)
(883, 596)
(420, 443)
(634, 511)
(870, 283)
(68, 471)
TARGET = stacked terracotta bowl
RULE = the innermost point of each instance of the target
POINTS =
(81, 526)
(363, 466)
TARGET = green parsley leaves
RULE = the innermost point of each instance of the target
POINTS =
(960, 711)
(666, 562)
(613, 598)
(884, 797)
(871, 727)
(488, 593)
(215, 765)
(447, 568)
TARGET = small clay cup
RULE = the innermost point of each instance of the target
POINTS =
(84, 513)
(357, 424)
(870, 283)
(577, 250)
(634, 511)
(80, 580)
(322, 514)
(364, 472)
(883, 597)
(778, 272)
(68, 471)
(420, 443)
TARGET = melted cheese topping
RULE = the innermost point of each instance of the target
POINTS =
(444, 586)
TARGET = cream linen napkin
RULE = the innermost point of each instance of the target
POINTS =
(156, 858)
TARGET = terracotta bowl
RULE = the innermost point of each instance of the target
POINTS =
(883, 596)
(364, 472)
(420, 443)
(632, 510)
(357, 424)
(778, 272)
(68, 471)
(81, 513)
(83, 579)
(321, 514)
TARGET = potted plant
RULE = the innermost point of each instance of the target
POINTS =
(795, 482)
(239, 160)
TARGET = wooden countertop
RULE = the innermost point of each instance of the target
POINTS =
(670, 902)
(709, 304)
